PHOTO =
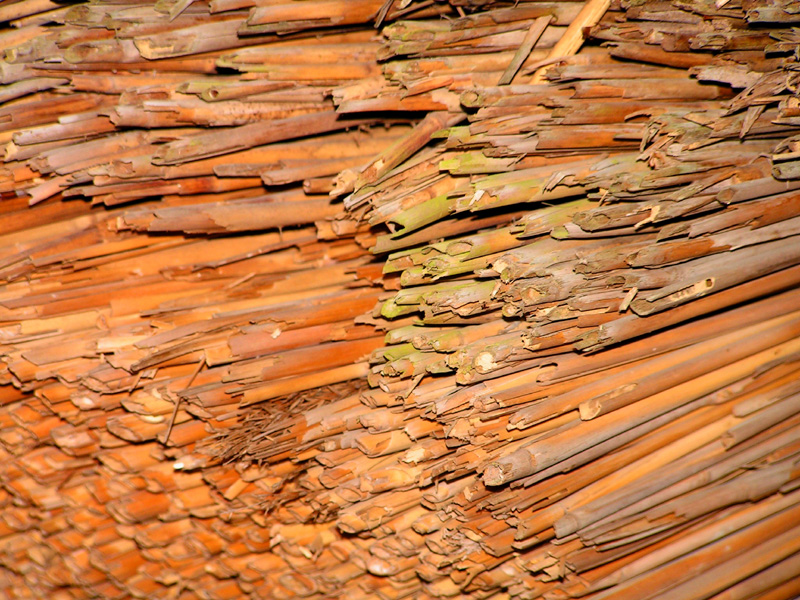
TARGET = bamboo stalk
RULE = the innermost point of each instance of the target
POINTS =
(531, 37)
(782, 545)
(572, 39)
(527, 462)
(255, 134)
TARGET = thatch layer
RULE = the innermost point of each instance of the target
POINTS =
(399, 300)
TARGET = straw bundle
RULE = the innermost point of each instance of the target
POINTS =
(399, 300)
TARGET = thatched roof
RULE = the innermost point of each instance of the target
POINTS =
(400, 299)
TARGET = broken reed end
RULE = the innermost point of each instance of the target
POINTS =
(509, 468)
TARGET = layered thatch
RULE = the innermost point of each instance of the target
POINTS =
(391, 300)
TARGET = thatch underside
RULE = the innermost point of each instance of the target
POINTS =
(389, 299)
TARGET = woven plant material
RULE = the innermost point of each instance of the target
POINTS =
(380, 299)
